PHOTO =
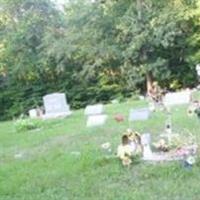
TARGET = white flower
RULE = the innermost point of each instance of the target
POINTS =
(105, 145)
(126, 161)
(190, 160)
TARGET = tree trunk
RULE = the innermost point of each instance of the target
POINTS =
(149, 81)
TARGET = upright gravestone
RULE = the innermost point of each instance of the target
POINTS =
(198, 74)
(139, 114)
(95, 116)
(36, 113)
(198, 70)
(94, 109)
(55, 106)
(177, 98)
(33, 113)
(146, 143)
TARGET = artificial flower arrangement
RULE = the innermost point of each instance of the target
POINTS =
(194, 108)
(130, 146)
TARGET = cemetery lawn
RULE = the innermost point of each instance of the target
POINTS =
(63, 160)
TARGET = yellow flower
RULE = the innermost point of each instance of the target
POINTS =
(126, 161)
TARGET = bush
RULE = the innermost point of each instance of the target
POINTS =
(26, 124)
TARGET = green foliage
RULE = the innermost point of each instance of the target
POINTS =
(94, 51)
(26, 124)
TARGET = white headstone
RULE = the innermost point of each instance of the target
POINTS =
(198, 69)
(146, 141)
(94, 109)
(33, 113)
(139, 114)
(177, 98)
(96, 120)
(56, 106)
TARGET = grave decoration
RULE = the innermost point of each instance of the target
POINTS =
(106, 146)
(179, 148)
(119, 118)
(107, 149)
(197, 112)
(161, 145)
(189, 162)
(171, 151)
(130, 146)
(168, 134)
(194, 108)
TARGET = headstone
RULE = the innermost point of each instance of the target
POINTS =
(95, 115)
(146, 141)
(177, 98)
(55, 106)
(139, 114)
(33, 113)
(96, 120)
(36, 113)
(94, 109)
(198, 69)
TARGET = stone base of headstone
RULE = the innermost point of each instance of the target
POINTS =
(56, 115)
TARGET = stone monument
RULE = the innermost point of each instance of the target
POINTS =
(198, 69)
(96, 109)
(33, 113)
(139, 114)
(177, 98)
(146, 143)
(95, 116)
(55, 106)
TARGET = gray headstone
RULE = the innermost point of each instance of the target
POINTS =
(56, 106)
(139, 114)
(177, 98)
(94, 109)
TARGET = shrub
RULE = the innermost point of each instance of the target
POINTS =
(26, 124)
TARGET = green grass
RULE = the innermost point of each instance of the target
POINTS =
(50, 168)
